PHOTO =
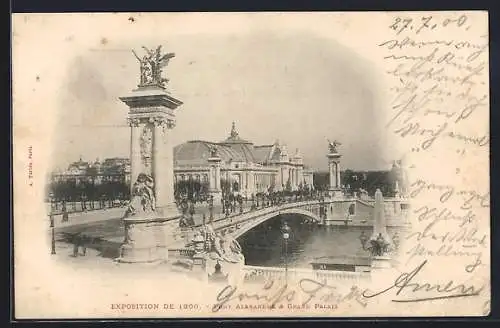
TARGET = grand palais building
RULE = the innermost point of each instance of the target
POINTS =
(248, 168)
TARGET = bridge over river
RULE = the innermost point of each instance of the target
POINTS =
(106, 232)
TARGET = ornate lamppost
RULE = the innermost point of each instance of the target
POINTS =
(53, 243)
(211, 208)
(228, 204)
(285, 229)
(52, 204)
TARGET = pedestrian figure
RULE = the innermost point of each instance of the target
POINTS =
(184, 206)
(65, 216)
(75, 249)
(191, 209)
(79, 241)
(76, 244)
(83, 245)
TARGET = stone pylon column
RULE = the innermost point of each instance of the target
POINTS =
(135, 150)
(334, 173)
(337, 170)
(215, 189)
(379, 218)
(299, 169)
(163, 167)
(380, 261)
(148, 233)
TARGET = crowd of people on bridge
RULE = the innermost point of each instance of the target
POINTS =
(233, 203)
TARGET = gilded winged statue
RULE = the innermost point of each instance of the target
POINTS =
(151, 65)
(332, 145)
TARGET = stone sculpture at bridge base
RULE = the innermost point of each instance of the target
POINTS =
(216, 257)
(147, 231)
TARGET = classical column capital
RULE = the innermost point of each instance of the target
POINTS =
(163, 122)
(133, 122)
(157, 121)
(170, 124)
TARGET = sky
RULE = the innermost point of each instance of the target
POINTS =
(298, 88)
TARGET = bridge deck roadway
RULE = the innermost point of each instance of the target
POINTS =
(238, 220)
(254, 214)
(83, 218)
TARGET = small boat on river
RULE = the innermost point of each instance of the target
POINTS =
(342, 263)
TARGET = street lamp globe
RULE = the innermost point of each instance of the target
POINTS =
(285, 229)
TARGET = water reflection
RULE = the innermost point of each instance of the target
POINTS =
(264, 245)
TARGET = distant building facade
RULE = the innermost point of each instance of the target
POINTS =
(245, 167)
(97, 172)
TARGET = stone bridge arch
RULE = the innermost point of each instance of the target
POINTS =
(244, 228)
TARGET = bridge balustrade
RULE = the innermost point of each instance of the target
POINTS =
(76, 207)
(264, 211)
(237, 220)
(180, 253)
(259, 274)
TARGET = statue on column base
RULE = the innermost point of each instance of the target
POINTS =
(380, 249)
(332, 146)
(142, 202)
(213, 250)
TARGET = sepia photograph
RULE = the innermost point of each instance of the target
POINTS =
(251, 165)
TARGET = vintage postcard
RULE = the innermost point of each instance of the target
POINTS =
(329, 164)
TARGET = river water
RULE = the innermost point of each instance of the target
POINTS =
(264, 245)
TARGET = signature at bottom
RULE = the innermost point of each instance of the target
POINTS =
(307, 288)
(405, 282)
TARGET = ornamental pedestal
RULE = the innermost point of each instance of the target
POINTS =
(381, 262)
(146, 240)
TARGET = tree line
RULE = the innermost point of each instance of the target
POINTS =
(354, 181)
(72, 191)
